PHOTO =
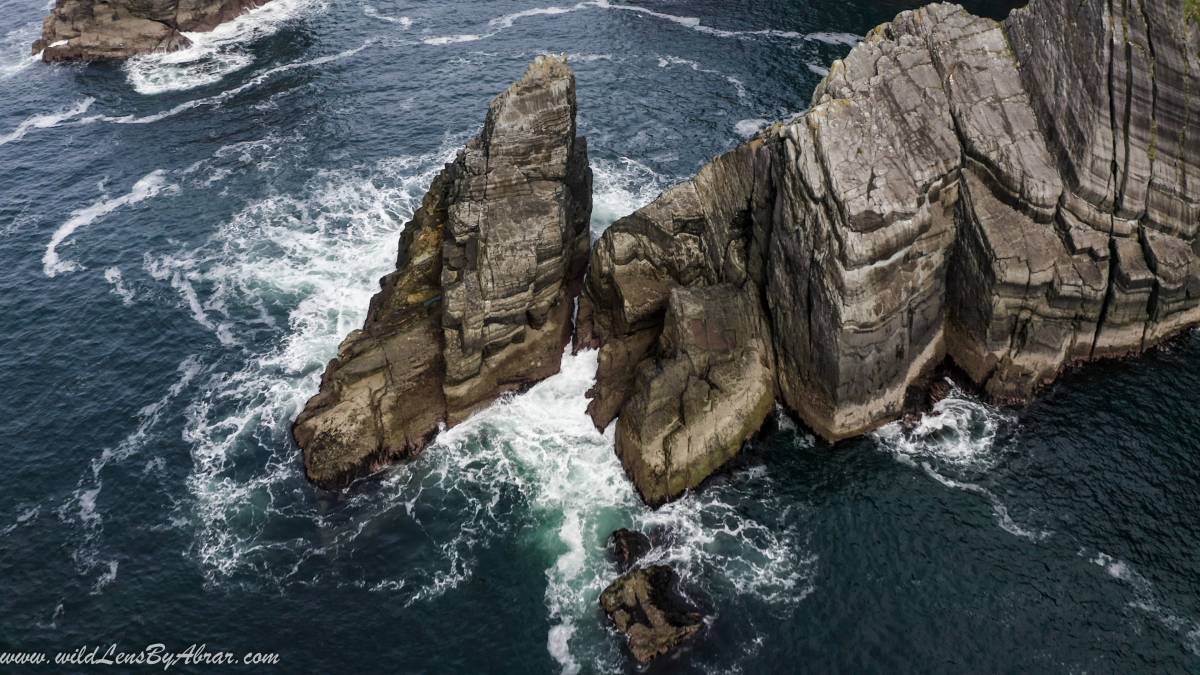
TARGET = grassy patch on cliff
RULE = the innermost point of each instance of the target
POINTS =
(1191, 10)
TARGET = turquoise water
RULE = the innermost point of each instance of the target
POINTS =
(185, 240)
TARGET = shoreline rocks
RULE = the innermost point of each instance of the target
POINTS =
(106, 30)
(1003, 198)
(481, 302)
(1012, 197)
(646, 607)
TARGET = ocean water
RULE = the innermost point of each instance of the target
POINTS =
(185, 239)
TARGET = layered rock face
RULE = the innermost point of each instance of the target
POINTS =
(95, 30)
(482, 298)
(1015, 196)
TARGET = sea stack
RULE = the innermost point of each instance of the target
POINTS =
(1012, 196)
(482, 299)
(106, 30)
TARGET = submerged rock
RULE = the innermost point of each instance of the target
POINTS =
(1013, 196)
(482, 297)
(645, 606)
(97, 30)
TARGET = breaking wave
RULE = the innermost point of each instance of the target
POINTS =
(955, 444)
(214, 54)
(620, 187)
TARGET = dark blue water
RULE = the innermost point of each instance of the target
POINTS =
(184, 241)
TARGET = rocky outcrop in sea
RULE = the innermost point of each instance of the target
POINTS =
(645, 606)
(100, 30)
(483, 296)
(1010, 197)
(1015, 197)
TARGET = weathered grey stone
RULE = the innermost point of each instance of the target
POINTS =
(1014, 196)
(517, 242)
(96, 30)
(708, 388)
(481, 300)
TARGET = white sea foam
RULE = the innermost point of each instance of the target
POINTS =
(506, 21)
(848, 39)
(47, 120)
(14, 49)
(82, 508)
(747, 128)
(621, 187)
(319, 253)
(957, 437)
(454, 39)
(695, 24)
(113, 276)
(817, 69)
(543, 445)
(214, 54)
(217, 99)
(1146, 598)
(738, 85)
(107, 576)
(146, 187)
(26, 517)
(403, 21)
(501, 23)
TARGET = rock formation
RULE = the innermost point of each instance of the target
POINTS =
(97, 30)
(482, 299)
(628, 547)
(1014, 196)
(645, 605)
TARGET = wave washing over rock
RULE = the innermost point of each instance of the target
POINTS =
(1014, 196)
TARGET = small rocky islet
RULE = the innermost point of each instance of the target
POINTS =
(107, 30)
(1008, 197)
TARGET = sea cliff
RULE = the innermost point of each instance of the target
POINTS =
(1013, 197)
(1008, 197)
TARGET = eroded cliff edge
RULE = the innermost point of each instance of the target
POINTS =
(482, 300)
(1013, 196)
(99, 30)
